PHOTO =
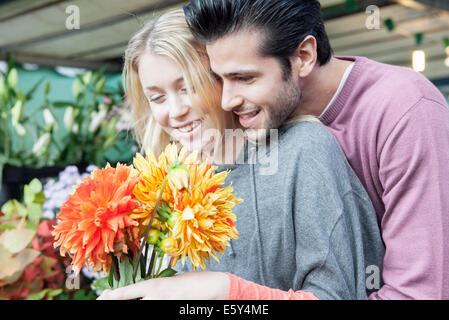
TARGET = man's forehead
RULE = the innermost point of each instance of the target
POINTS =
(237, 51)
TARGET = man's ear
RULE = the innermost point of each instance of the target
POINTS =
(305, 57)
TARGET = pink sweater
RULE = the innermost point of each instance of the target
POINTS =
(393, 125)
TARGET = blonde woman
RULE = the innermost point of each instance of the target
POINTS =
(300, 229)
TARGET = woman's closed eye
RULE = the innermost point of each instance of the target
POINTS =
(157, 98)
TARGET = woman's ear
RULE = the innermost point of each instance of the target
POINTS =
(305, 57)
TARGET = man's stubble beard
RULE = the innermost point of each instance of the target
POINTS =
(285, 104)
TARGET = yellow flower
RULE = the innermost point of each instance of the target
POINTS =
(152, 174)
(178, 178)
(169, 245)
(201, 221)
(205, 223)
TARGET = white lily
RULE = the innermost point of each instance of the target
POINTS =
(42, 144)
(98, 117)
(69, 118)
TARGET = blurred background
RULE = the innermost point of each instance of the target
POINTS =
(62, 109)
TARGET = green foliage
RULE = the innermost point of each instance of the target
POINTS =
(31, 210)
(86, 134)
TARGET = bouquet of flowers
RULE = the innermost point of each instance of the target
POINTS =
(174, 204)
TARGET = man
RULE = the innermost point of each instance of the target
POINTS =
(392, 123)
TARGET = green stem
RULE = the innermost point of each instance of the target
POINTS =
(151, 267)
(147, 230)
(160, 265)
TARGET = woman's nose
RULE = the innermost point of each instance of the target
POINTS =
(179, 107)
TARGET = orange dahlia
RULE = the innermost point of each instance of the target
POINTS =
(95, 221)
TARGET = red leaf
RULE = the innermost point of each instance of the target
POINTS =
(45, 228)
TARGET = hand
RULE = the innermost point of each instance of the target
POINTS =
(200, 285)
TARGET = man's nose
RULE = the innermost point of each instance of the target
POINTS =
(230, 99)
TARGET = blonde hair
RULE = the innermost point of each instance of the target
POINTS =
(169, 36)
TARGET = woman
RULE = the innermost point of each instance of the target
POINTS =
(304, 232)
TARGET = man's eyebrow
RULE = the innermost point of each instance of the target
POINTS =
(241, 73)
(236, 73)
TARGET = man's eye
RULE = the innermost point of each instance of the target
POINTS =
(245, 79)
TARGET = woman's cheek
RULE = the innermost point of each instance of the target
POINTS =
(160, 116)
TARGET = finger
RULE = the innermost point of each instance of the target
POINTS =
(133, 291)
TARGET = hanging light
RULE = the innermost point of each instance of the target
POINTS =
(446, 45)
(419, 56)
(419, 60)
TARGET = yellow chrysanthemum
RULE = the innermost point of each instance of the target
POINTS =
(152, 173)
(206, 222)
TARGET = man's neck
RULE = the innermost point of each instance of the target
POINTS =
(320, 86)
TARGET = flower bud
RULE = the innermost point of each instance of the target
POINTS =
(77, 87)
(13, 78)
(69, 118)
(49, 118)
(42, 144)
(97, 118)
(100, 84)
(153, 236)
(3, 90)
(16, 111)
(169, 245)
(173, 219)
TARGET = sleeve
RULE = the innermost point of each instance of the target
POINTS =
(327, 218)
(414, 173)
(329, 240)
(241, 289)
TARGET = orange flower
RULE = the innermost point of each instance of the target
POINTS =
(96, 221)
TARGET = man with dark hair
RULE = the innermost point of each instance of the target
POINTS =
(275, 63)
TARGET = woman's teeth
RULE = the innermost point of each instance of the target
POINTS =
(190, 127)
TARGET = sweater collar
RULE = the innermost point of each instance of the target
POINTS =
(336, 107)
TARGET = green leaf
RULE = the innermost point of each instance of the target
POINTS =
(14, 162)
(38, 295)
(169, 272)
(47, 87)
(53, 293)
(31, 225)
(126, 274)
(28, 195)
(35, 186)
(102, 284)
(7, 226)
(84, 295)
(35, 211)
(29, 94)
(63, 296)
(63, 104)
(111, 278)
(40, 198)
(13, 207)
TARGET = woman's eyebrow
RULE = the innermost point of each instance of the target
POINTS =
(155, 88)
